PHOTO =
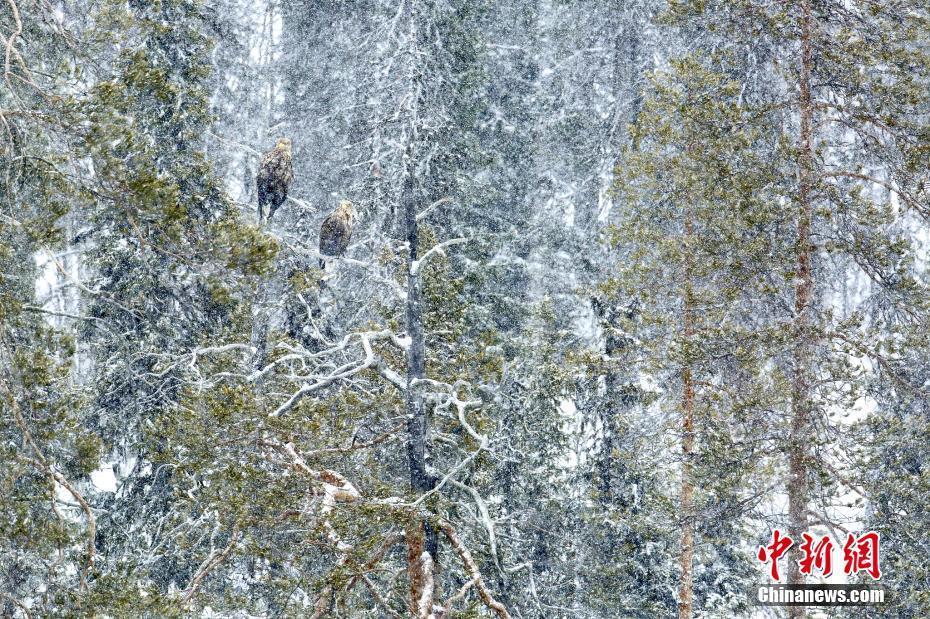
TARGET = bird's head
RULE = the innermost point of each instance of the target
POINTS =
(346, 210)
(284, 144)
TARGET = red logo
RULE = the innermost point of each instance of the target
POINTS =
(860, 554)
(819, 555)
(775, 550)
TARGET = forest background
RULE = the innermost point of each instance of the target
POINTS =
(632, 284)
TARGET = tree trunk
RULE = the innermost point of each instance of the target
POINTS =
(422, 566)
(420, 479)
(801, 395)
(686, 559)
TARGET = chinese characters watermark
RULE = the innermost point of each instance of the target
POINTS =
(860, 554)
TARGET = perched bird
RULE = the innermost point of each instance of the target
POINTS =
(274, 178)
(336, 231)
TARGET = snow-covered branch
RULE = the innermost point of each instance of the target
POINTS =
(417, 265)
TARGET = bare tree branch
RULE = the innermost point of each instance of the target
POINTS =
(472, 568)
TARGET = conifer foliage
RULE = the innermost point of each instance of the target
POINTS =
(629, 286)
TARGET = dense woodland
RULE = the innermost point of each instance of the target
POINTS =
(630, 285)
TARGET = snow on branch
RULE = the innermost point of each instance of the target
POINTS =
(345, 371)
(422, 214)
(210, 563)
(472, 568)
(416, 265)
(336, 488)
(42, 463)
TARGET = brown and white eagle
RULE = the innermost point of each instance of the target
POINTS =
(336, 231)
(275, 175)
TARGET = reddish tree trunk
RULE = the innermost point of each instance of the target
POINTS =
(801, 401)
(686, 559)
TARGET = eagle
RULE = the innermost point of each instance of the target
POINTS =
(336, 231)
(275, 175)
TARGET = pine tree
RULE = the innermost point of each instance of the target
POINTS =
(595, 322)
(694, 231)
(46, 452)
(848, 164)
(170, 264)
(346, 419)
(891, 471)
